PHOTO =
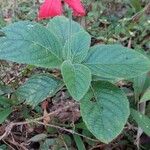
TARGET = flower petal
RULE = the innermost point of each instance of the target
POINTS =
(77, 7)
(50, 8)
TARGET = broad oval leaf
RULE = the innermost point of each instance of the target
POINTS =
(77, 78)
(60, 26)
(142, 120)
(105, 110)
(116, 61)
(4, 114)
(30, 43)
(77, 47)
(38, 88)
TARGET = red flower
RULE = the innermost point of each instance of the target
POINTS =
(77, 7)
(51, 8)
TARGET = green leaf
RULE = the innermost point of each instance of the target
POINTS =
(30, 43)
(4, 114)
(136, 4)
(77, 47)
(38, 88)
(146, 96)
(79, 142)
(76, 42)
(138, 84)
(47, 144)
(4, 89)
(98, 78)
(5, 102)
(2, 22)
(116, 61)
(105, 110)
(60, 27)
(3, 147)
(77, 78)
(142, 120)
(38, 138)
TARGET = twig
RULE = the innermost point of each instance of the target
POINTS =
(18, 144)
(136, 17)
(100, 146)
(37, 120)
(64, 142)
(8, 145)
(12, 124)
(130, 43)
(7, 131)
(67, 130)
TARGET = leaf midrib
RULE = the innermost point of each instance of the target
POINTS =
(36, 43)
